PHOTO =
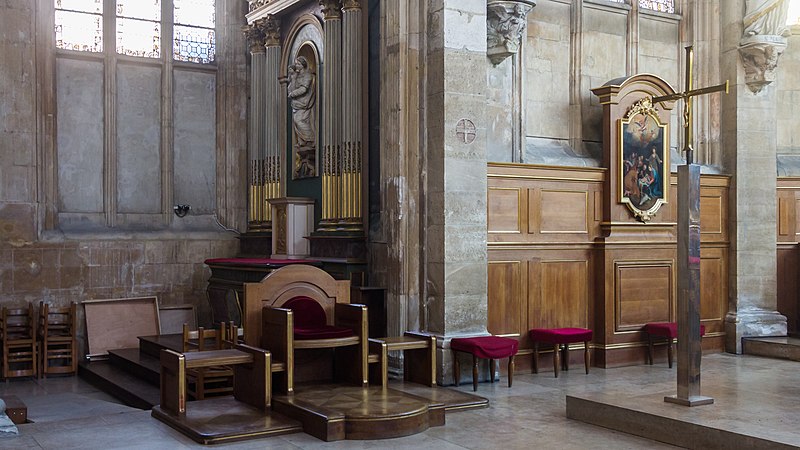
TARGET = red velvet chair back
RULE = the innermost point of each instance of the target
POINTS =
(308, 313)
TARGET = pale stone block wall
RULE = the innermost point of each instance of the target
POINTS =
(92, 261)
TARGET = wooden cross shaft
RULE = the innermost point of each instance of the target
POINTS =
(687, 96)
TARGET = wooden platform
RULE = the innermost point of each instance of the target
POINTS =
(333, 412)
(224, 419)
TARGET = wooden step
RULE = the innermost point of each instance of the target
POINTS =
(130, 389)
(133, 361)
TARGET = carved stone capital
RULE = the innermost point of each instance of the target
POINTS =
(255, 36)
(331, 9)
(272, 32)
(760, 55)
(505, 27)
(349, 5)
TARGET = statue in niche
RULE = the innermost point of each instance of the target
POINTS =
(767, 18)
(302, 97)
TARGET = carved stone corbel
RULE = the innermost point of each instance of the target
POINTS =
(764, 41)
(505, 27)
(760, 59)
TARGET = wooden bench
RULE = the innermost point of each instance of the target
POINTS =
(419, 362)
(252, 375)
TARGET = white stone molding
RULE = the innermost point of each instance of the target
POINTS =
(505, 27)
(763, 41)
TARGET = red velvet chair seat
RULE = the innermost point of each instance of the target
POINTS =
(486, 347)
(310, 321)
(666, 330)
(558, 337)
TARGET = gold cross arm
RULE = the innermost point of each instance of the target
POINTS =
(686, 96)
(702, 91)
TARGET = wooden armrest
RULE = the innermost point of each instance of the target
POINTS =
(213, 358)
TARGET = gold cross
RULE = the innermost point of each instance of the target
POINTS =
(687, 95)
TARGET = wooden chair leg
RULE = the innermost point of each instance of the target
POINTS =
(474, 373)
(491, 371)
(456, 369)
(556, 362)
(650, 348)
(535, 357)
(586, 355)
(669, 351)
(510, 370)
(565, 357)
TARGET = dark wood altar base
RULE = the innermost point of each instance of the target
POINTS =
(452, 399)
(224, 419)
(333, 412)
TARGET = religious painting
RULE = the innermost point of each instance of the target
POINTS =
(643, 159)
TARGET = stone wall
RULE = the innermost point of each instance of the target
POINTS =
(76, 253)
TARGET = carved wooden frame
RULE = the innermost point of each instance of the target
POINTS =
(646, 109)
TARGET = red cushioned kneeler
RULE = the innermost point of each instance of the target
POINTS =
(666, 330)
(559, 337)
(486, 347)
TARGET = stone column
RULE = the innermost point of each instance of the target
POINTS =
(273, 113)
(352, 105)
(258, 207)
(331, 115)
(749, 153)
(455, 154)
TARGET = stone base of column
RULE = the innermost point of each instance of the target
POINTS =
(752, 323)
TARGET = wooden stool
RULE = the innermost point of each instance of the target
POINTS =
(665, 330)
(487, 347)
(558, 337)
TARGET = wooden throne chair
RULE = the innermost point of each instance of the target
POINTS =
(303, 307)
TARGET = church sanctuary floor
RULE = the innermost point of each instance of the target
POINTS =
(69, 413)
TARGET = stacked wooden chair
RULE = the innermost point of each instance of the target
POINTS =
(20, 348)
(56, 336)
(207, 380)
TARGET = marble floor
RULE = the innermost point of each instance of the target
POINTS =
(69, 413)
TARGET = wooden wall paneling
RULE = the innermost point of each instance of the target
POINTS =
(644, 293)
(563, 296)
(712, 223)
(534, 210)
(788, 285)
(785, 210)
(713, 288)
(504, 210)
(564, 211)
(507, 299)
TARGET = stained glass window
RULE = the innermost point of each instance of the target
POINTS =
(139, 28)
(79, 25)
(194, 36)
(667, 6)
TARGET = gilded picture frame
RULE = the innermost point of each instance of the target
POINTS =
(643, 160)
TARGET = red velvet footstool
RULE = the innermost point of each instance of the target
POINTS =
(666, 330)
(558, 337)
(487, 347)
